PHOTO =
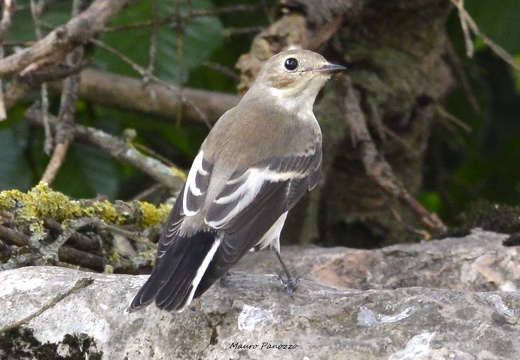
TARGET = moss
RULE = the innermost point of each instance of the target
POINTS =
(42, 202)
(153, 215)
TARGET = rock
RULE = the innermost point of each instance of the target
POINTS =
(249, 316)
(477, 262)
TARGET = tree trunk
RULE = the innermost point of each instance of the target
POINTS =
(394, 54)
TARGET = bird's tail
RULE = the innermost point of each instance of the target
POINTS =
(178, 272)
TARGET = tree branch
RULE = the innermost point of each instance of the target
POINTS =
(133, 94)
(375, 165)
(69, 96)
(57, 44)
(171, 178)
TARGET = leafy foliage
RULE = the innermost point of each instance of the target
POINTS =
(461, 167)
(482, 164)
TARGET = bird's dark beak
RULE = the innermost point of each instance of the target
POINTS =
(331, 68)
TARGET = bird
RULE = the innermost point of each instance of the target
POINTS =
(257, 161)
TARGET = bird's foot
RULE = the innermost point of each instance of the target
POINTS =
(289, 284)
(224, 280)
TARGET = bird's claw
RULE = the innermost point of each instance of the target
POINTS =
(289, 284)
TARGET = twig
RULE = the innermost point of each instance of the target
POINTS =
(463, 77)
(144, 73)
(130, 235)
(179, 22)
(7, 17)
(173, 179)
(461, 124)
(58, 43)
(152, 51)
(467, 21)
(224, 10)
(234, 32)
(375, 165)
(36, 11)
(57, 158)
(222, 69)
(5, 24)
(69, 96)
(146, 150)
(80, 284)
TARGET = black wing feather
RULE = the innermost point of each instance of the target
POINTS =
(179, 257)
(177, 261)
(274, 199)
(245, 232)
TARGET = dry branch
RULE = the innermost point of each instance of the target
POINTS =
(57, 44)
(375, 165)
(172, 178)
(37, 225)
(133, 94)
(69, 96)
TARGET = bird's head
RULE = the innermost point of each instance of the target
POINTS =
(294, 77)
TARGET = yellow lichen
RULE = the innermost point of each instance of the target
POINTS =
(153, 215)
(41, 202)
(9, 198)
(109, 269)
(107, 212)
(47, 203)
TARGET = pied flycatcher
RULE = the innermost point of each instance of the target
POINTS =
(256, 163)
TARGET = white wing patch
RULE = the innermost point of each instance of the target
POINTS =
(191, 189)
(202, 269)
(272, 237)
(250, 182)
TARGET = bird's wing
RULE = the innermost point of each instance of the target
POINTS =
(249, 189)
(197, 183)
(250, 203)
(180, 256)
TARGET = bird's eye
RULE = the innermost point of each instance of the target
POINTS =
(291, 64)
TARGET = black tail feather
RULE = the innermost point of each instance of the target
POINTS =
(171, 280)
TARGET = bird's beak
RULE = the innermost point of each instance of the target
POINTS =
(331, 68)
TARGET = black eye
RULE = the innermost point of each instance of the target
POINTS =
(291, 64)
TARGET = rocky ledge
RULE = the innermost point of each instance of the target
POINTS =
(451, 299)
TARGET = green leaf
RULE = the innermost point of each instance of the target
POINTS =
(178, 50)
(14, 169)
(431, 200)
(88, 172)
(22, 28)
(498, 20)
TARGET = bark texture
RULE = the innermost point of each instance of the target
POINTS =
(394, 52)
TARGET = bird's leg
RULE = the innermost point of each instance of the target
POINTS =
(289, 284)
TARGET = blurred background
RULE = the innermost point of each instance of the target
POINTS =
(473, 146)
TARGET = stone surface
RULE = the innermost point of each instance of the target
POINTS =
(477, 262)
(249, 316)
